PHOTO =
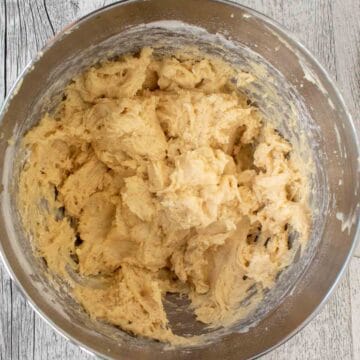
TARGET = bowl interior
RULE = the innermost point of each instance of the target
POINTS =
(300, 100)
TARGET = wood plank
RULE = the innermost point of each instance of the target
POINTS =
(5, 315)
(20, 47)
(300, 16)
(62, 13)
(347, 41)
(355, 305)
(2, 50)
(5, 282)
(326, 337)
(51, 346)
(346, 14)
(26, 34)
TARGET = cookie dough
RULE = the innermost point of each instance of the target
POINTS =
(155, 175)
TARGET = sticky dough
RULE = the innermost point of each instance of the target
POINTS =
(156, 176)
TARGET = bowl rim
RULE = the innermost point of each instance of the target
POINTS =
(282, 30)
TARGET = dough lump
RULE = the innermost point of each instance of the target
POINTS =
(154, 175)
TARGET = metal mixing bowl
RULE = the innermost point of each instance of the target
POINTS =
(301, 93)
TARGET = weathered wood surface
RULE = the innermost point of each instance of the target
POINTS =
(329, 28)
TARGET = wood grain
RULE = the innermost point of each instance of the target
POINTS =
(5, 283)
(355, 305)
(346, 15)
(19, 48)
(329, 28)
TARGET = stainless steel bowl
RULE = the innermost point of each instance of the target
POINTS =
(301, 92)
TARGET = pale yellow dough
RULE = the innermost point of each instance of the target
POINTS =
(154, 175)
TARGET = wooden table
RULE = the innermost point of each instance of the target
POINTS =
(329, 28)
